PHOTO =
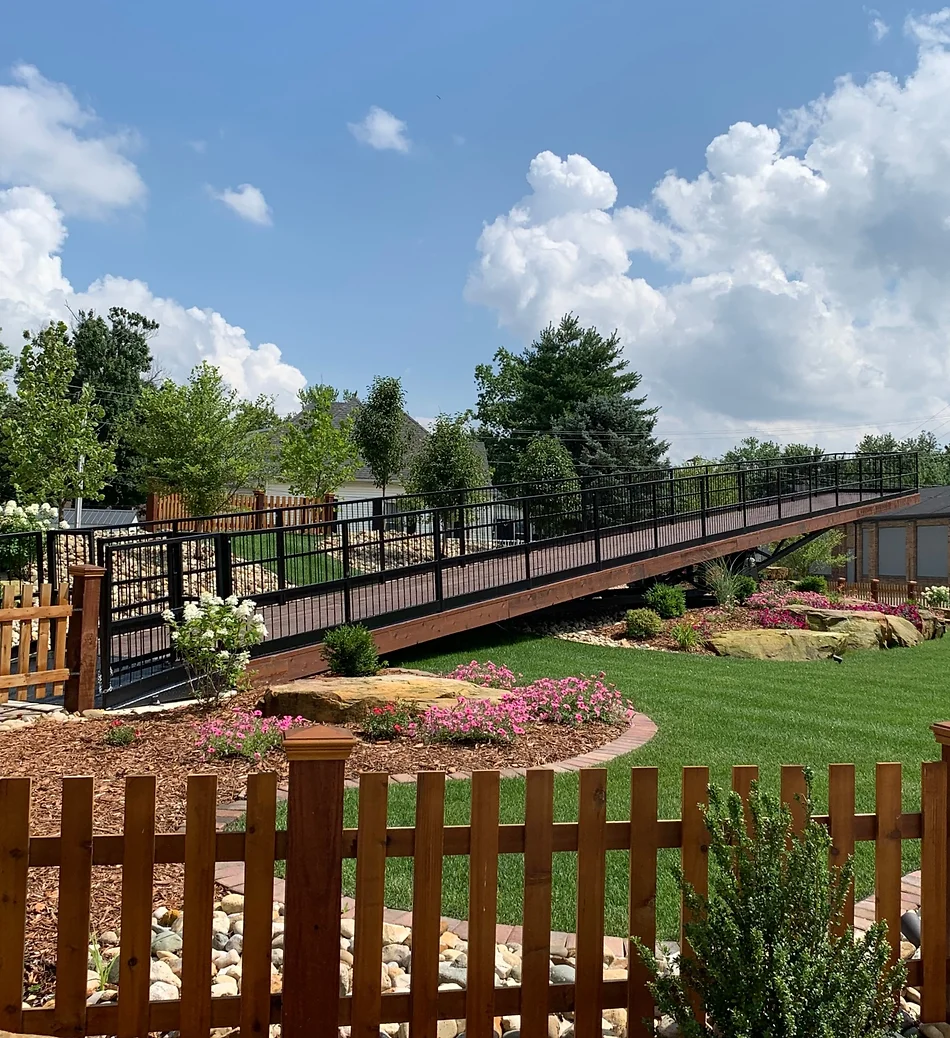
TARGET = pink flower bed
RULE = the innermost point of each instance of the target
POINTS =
(567, 701)
(782, 600)
(249, 734)
(773, 605)
(782, 619)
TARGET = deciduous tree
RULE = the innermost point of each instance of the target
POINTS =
(51, 436)
(381, 432)
(317, 452)
(448, 466)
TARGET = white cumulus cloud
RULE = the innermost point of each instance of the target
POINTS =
(48, 140)
(797, 285)
(55, 160)
(381, 130)
(248, 202)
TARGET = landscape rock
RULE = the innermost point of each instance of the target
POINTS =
(161, 971)
(167, 941)
(901, 633)
(343, 700)
(561, 974)
(773, 644)
(162, 992)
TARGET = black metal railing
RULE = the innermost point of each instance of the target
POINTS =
(309, 577)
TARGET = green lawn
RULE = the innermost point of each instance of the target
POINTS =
(875, 706)
(306, 558)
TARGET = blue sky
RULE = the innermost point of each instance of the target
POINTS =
(363, 266)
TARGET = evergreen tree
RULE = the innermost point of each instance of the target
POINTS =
(612, 434)
(554, 383)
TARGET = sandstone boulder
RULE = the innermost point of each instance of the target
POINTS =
(901, 633)
(344, 700)
(771, 644)
(863, 630)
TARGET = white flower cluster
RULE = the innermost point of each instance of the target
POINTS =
(937, 596)
(16, 518)
(214, 638)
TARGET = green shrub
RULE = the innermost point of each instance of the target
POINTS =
(350, 651)
(813, 582)
(769, 959)
(386, 722)
(722, 580)
(120, 734)
(745, 586)
(643, 623)
(685, 635)
(666, 600)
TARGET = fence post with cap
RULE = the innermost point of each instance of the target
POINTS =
(314, 882)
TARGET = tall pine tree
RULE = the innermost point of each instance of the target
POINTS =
(571, 382)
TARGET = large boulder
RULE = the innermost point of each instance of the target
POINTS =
(901, 633)
(863, 630)
(933, 625)
(773, 644)
(344, 700)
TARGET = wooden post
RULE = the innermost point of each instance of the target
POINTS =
(151, 508)
(82, 638)
(875, 590)
(260, 503)
(911, 590)
(941, 732)
(311, 989)
(842, 583)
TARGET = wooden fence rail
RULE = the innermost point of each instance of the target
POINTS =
(257, 511)
(314, 847)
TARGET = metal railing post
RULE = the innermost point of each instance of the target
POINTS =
(526, 526)
(703, 500)
(281, 551)
(345, 550)
(437, 551)
(860, 478)
(742, 496)
(837, 482)
(778, 491)
(656, 518)
(223, 577)
(597, 547)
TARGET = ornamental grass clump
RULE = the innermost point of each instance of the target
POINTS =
(213, 639)
(247, 734)
(771, 952)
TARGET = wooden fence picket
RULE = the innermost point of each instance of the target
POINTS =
(25, 641)
(7, 601)
(43, 640)
(887, 852)
(59, 642)
(136, 918)
(427, 904)
(199, 900)
(793, 793)
(591, 877)
(370, 897)
(644, 840)
(75, 884)
(258, 903)
(483, 905)
(933, 891)
(14, 859)
(841, 819)
(695, 851)
(536, 933)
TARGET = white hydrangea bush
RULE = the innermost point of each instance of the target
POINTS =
(17, 553)
(213, 639)
(936, 597)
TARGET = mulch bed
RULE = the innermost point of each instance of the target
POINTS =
(49, 750)
(708, 621)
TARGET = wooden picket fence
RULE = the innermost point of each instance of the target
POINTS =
(33, 628)
(879, 591)
(314, 847)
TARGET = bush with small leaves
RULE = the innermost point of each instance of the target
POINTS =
(813, 582)
(350, 651)
(745, 586)
(120, 734)
(643, 623)
(386, 722)
(771, 952)
(666, 600)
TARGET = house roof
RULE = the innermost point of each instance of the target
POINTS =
(101, 517)
(934, 504)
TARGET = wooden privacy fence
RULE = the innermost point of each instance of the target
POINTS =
(49, 643)
(316, 844)
(257, 511)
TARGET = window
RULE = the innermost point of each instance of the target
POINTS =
(932, 551)
(891, 551)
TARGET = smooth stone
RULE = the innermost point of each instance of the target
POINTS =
(235, 943)
(232, 903)
(220, 941)
(397, 953)
(561, 974)
(450, 974)
(224, 987)
(162, 992)
(348, 928)
(277, 956)
(278, 942)
(161, 971)
(447, 1029)
(393, 934)
(346, 980)
(168, 941)
(110, 937)
(617, 1018)
(220, 923)
(345, 956)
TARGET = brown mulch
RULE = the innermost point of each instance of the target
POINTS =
(49, 750)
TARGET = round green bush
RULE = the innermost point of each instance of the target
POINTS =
(350, 651)
(745, 586)
(813, 582)
(643, 623)
(669, 602)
